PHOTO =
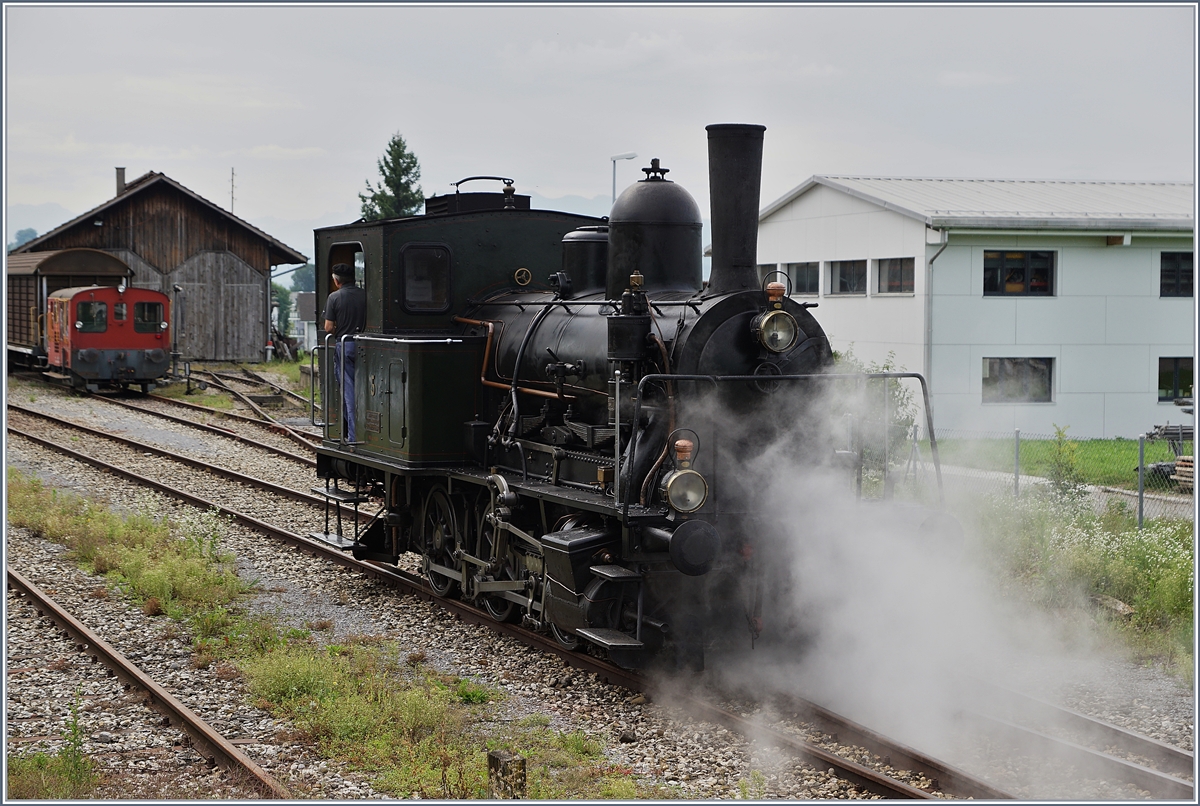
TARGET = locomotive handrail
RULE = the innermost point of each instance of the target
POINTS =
(353, 337)
(716, 379)
(566, 303)
(312, 388)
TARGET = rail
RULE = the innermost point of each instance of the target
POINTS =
(212, 744)
(864, 777)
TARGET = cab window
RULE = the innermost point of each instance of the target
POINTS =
(426, 278)
(91, 317)
(118, 311)
(147, 317)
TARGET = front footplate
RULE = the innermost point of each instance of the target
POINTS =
(623, 650)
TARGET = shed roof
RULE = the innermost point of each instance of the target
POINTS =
(279, 251)
(1017, 203)
(67, 261)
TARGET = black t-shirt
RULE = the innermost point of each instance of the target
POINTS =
(347, 309)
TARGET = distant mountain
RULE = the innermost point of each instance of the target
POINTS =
(41, 217)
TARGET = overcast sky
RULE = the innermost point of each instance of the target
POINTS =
(302, 100)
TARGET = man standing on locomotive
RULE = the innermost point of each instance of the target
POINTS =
(346, 313)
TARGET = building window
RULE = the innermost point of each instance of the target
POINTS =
(805, 277)
(767, 268)
(1176, 274)
(147, 317)
(1027, 273)
(1017, 380)
(91, 317)
(896, 275)
(426, 278)
(1174, 378)
(848, 277)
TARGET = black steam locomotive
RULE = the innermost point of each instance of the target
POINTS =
(554, 411)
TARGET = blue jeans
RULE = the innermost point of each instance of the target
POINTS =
(346, 368)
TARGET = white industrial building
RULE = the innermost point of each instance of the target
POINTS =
(1025, 303)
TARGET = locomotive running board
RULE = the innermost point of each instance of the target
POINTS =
(337, 541)
(609, 639)
(341, 496)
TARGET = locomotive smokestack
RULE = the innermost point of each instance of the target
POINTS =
(734, 180)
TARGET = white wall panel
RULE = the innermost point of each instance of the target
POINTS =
(1149, 320)
(1104, 368)
(1066, 320)
(969, 320)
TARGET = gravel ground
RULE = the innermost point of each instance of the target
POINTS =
(695, 759)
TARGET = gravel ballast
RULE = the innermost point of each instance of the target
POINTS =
(659, 744)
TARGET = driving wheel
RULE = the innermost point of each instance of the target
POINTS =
(497, 607)
(564, 638)
(439, 529)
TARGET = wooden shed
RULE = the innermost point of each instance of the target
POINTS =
(170, 236)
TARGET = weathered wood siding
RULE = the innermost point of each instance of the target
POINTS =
(224, 302)
(168, 237)
(165, 227)
(144, 275)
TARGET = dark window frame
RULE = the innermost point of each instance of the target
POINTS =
(1175, 280)
(812, 270)
(403, 277)
(1174, 368)
(1012, 273)
(908, 273)
(90, 326)
(143, 325)
(860, 269)
(1005, 374)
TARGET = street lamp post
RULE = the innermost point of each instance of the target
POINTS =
(628, 155)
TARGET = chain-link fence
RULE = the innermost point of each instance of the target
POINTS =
(1150, 477)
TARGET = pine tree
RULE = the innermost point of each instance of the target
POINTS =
(398, 194)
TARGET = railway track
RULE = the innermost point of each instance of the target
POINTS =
(212, 429)
(204, 738)
(1033, 726)
(937, 778)
(299, 437)
(865, 778)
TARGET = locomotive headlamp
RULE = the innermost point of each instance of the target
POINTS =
(776, 330)
(686, 490)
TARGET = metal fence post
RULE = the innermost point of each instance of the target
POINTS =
(1141, 477)
(1017, 463)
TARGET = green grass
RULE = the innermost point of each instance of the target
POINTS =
(361, 701)
(66, 775)
(174, 568)
(212, 397)
(1106, 462)
(420, 733)
(1064, 554)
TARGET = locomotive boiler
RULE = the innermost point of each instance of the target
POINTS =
(554, 411)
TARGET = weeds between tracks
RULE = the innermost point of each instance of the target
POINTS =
(365, 702)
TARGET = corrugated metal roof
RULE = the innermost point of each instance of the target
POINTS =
(1023, 203)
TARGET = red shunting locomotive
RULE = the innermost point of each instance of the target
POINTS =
(107, 336)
